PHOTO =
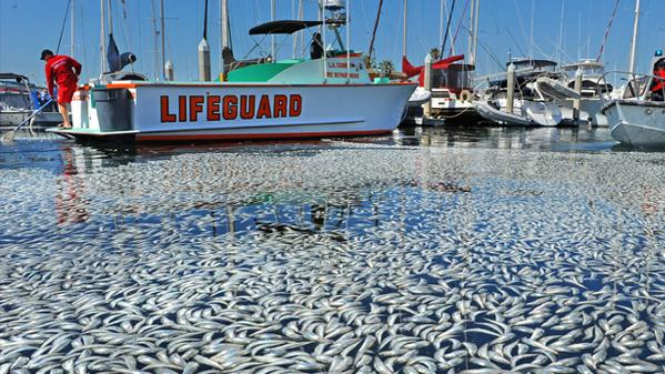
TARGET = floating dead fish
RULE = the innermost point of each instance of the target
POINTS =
(345, 259)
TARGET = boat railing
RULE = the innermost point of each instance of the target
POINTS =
(637, 86)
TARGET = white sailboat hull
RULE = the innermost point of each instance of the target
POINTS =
(639, 123)
(173, 111)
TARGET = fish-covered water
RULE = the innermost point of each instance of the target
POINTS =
(467, 250)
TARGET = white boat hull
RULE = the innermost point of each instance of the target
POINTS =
(590, 110)
(639, 123)
(173, 112)
(11, 119)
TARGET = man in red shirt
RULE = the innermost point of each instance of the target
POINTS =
(659, 82)
(64, 71)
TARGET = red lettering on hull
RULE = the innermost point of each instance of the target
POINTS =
(247, 104)
(164, 104)
(214, 108)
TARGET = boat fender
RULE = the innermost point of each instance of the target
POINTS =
(466, 95)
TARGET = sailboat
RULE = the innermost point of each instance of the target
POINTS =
(328, 94)
(637, 117)
(451, 81)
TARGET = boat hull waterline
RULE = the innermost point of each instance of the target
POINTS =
(175, 111)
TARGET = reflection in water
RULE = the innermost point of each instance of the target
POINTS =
(539, 138)
(70, 200)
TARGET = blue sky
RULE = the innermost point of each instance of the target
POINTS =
(27, 26)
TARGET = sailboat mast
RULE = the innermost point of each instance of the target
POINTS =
(404, 33)
(273, 48)
(161, 16)
(560, 43)
(301, 16)
(102, 39)
(71, 9)
(376, 25)
(475, 33)
(110, 16)
(441, 21)
(204, 49)
(224, 26)
(471, 31)
(155, 41)
(533, 6)
(348, 41)
(633, 45)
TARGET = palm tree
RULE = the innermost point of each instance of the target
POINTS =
(386, 66)
(435, 53)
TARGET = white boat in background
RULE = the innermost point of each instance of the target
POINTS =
(555, 89)
(530, 107)
(330, 94)
(594, 86)
(18, 102)
(452, 93)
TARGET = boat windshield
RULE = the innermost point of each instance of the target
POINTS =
(535, 65)
(13, 97)
(587, 71)
(456, 77)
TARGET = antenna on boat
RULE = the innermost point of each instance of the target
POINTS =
(204, 49)
(338, 17)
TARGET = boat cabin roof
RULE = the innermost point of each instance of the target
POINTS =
(460, 67)
(585, 65)
(13, 76)
(524, 62)
(283, 27)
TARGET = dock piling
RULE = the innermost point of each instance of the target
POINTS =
(427, 107)
(510, 83)
(578, 89)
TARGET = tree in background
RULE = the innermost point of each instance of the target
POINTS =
(436, 54)
(386, 66)
(370, 63)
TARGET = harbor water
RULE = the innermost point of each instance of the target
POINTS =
(433, 250)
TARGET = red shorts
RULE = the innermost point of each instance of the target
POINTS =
(66, 92)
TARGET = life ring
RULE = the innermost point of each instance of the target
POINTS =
(466, 95)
